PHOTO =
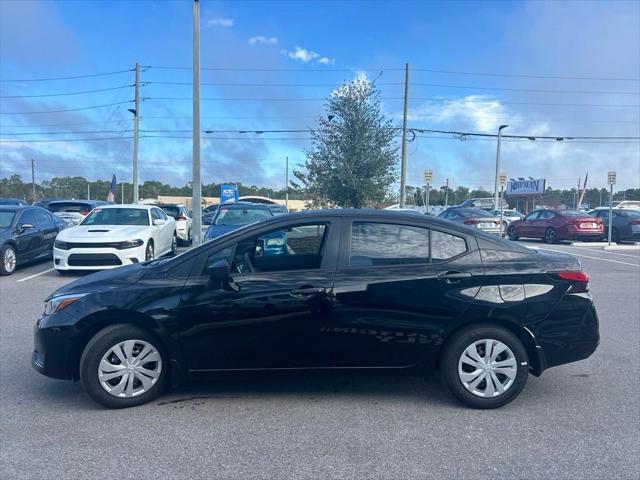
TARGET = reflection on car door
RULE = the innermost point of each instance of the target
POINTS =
(393, 297)
(29, 240)
(160, 232)
(49, 231)
(272, 312)
(527, 227)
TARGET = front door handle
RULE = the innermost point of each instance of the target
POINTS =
(307, 291)
(453, 277)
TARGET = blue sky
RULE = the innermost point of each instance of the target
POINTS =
(327, 43)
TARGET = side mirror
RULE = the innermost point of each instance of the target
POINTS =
(218, 269)
(24, 226)
(158, 222)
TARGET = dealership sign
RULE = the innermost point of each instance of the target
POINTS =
(526, 187)
(228, 193)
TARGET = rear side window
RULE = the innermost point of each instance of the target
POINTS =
(445, 246)
(388, 244)
(546, 215)
(43, 217)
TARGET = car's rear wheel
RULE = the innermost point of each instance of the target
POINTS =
(485, 366)
(550, 236)
(8, 260)
(123, 366)
(149, 252)
(174, 245)
(512, 233)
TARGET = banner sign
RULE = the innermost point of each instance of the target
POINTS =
(228, 193)
(526, 187)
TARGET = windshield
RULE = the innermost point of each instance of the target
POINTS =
(117, 216)
(278, 209)
(83, 208)
(6, 218)
(244, 216)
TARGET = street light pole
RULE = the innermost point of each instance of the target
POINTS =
(403, 161)
(196, 183)
(286, 184)
(495, 189)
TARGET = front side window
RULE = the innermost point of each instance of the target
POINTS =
(117, 216)
(546, 215)
(381, 244)
(297, 247)
(532, 216)
(27, 218)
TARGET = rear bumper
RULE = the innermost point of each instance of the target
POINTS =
(570, 333)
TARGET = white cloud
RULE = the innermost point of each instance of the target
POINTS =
(220, 22)
(326, 61)
(305, 56)
(261, 40)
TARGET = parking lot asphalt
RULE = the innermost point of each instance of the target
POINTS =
(580, 420)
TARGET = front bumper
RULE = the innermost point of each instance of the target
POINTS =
(96, 258)
(54, 352)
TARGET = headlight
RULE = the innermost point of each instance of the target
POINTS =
(129, 244)
(61, 302)
(275, 242)
(61, 245)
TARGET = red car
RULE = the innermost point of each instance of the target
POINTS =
(555, 225)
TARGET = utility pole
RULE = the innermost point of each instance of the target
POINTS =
(403, 164)
(122, 195)
(88, 190)
(286, 181)
(33, 180)
(503, 182)
(611, 180)
(196, 182)
(136, 111)
(428, 176)
(578, 194)
(446, 195)
(495, 187)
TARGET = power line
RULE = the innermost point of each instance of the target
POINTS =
(60, 124)
(526, 137)
(65, 110)
(252, 69)
(66, 133)
(91, 75)
(64, 140)
(66, 93)
(515, 75)
(221, 99)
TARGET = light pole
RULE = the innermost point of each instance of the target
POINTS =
(286, 183)
(428, 176)
(503, 182)
(495, 189)
(611, 180)
(196, 183)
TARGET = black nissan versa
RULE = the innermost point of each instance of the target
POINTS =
(352, 289)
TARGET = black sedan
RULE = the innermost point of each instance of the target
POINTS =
(625, 224)
(26, 234)
(353, 289)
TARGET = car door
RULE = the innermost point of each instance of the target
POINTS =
(272, 307)
(527, 227)
(167, 229)
(397, 288)
(159, 232)
(29, 239)
(49, 230)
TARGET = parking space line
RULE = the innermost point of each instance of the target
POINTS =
(613, 253)
(35, 275)
(589, 256)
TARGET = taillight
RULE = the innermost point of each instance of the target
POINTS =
(84, 213)
(471, 222)
(579, 280)
(634, 222)
(182, 217)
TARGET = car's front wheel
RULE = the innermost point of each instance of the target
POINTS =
(512, 233)
(149, 252)
(174, 245)
(485, 366)
(8, 260)
(123, 366)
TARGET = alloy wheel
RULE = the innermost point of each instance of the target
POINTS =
(487, 368)
(174, 245)
(130, 368)
(550, 236)
(9, 260)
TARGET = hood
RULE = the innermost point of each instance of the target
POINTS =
(215, 231)
(111, 233)
(105, 280)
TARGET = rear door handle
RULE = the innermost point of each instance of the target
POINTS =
(453, 277)
(307, 291)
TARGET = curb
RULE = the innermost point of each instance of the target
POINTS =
(589, 244)
(632, 248)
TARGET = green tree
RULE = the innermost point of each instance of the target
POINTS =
(353, 158)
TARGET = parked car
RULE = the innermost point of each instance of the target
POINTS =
(474, 218)
(627, 204)
(484, 203)
(278, 209)
(625, 223)
(114, 235)
(208, 214)
(26, 234)
(43, 203)
(183, 220)
(357, 290)
(12, 201)
(73, 211)
(231, 216)
(508, 215)
(553, 226)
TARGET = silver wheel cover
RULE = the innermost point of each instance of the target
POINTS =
(487, 368)
(9, 260)
(130, 368)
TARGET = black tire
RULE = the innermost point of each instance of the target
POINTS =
(174, 245)
(149, 253)
(8, 267)
(550, 236)
(456, 346)
(99, 345)
(512, 233)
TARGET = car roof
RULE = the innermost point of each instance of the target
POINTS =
(92, 202)
(244, 205)
(170, 205)
(128, 205)
(15, 208)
